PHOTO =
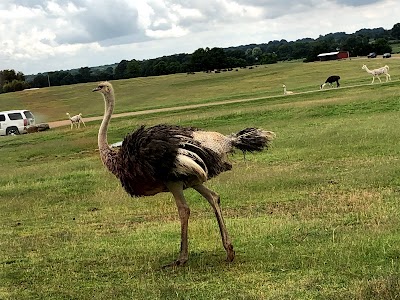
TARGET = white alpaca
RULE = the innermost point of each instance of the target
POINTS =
(376, 72)
(76, 120)
(285, 92)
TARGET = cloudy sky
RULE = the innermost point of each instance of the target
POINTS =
(41, 35)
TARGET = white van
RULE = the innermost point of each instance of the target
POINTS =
(15, 121)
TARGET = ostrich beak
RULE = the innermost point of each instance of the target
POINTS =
(96, 89)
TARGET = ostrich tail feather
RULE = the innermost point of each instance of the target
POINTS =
(252, 139)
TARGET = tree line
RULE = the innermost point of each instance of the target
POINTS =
(359, 43)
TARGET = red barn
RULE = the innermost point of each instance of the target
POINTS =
(334, 55)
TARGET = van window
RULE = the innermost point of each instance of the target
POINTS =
(15, 116)
(2, 118)
(28, 114)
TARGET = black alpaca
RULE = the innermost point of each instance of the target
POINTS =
(169, 158)
(331, 80)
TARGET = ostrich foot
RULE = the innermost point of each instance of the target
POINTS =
(230, 254)
(176, 263)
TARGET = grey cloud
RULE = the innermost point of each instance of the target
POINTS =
(108, 23)
(161, 26)
(211, 12)
(29, 3)
(357, 2)
(305, 3)
(43, 3)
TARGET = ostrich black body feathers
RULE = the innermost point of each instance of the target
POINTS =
(148, 158)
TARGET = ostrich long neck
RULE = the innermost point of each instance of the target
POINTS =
(104, 148)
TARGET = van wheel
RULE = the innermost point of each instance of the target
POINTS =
(12, 131)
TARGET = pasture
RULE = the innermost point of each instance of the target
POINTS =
(315, 217)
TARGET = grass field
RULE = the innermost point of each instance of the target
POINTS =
(395, 48)
(315, 217)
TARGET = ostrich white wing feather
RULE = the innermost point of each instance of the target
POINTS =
(187, 166)
(116, 145)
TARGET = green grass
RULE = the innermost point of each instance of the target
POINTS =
(315, 217)
(395, 48)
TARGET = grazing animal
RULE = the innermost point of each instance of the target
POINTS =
(76, 120)
(32, 129)
(330, 80)
(285, 92)
(376, 72)
(169, 158)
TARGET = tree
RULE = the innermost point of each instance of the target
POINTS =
(133, 69)
(198, 60)
(268, 58)
(85, 74)
(69, 79)
(10, 81)
(395, 32)
(56, 77)
(248, 52)
(216, 59)
(357, 45)
(40, 81)
(120, 70)
(9, 76)
(160, 68)
(174, 67)
(381, 46)
(256, 53)
(14, 86)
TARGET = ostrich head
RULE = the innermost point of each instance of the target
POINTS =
(108, 94)
(364, 67)
(104, 87)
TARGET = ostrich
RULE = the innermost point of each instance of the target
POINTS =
(285, 92)
(331, 80)
(169, 158)
(376, 72)
(76, 120)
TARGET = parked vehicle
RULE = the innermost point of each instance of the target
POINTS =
(14, 122)
(371, 55)
(387, 55)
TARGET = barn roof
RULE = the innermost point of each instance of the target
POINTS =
(328, 54)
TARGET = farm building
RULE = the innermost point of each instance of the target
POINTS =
(334, 55)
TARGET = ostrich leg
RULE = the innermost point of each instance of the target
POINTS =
(213, 199)
(176, 188)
